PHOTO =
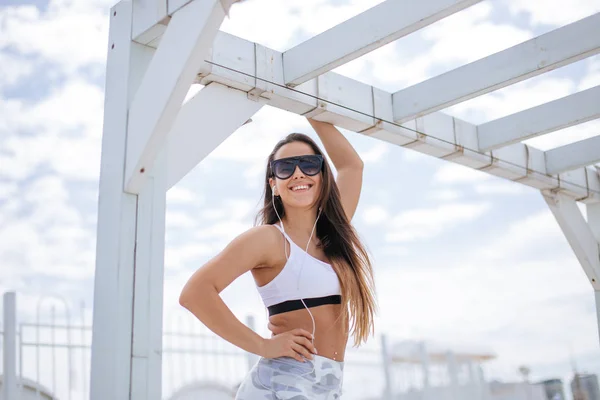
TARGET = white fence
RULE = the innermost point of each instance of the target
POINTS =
(51, 359)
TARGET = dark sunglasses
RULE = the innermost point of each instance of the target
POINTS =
(309, 164)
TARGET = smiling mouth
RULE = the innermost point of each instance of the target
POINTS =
(304, 190)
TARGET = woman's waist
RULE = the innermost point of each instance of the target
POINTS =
(330, 335)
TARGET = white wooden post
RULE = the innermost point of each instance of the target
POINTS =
(9, 389)
(144, 91)
(127, 323)
(146, 368)
(113, 289)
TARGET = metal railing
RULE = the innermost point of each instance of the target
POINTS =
(51, 359)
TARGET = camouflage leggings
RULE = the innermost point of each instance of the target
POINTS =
(285, 378)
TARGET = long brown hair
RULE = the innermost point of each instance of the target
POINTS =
(339, 241)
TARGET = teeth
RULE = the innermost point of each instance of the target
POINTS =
(295, 188)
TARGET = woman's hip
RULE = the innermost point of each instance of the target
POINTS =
(284, 377)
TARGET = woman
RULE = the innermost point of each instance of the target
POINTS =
(313, 283)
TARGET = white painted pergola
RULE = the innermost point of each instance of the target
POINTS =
(158, 48)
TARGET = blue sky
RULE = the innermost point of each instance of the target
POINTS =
(460, 257)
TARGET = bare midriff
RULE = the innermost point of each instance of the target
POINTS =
(330, 331)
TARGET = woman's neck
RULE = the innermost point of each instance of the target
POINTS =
(301, 222)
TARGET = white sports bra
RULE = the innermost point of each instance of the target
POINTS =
(303, 277)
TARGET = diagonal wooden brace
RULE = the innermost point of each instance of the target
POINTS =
(183, 48)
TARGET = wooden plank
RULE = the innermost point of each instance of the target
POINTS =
(593, 217)
(552, 50)
(577, 232)
(182, 50)
(573, 156)
(363, 108)
(549, 117)
(203, 123)
(113, 282)
(146, 371)
(149, 20)
(362, 34)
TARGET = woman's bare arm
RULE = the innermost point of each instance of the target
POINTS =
(200, 294)
(347, 162)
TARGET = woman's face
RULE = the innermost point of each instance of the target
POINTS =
(284, 187)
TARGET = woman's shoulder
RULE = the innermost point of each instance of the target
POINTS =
(268, 234)
(272, 240)
(263, 232)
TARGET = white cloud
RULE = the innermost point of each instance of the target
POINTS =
(179, 220)
(455, 174)
(553, 12)
(287, 19)
(470, 35)
(499, 187)
(181, 256)
(43, 234)
(524, 237)
(376, 153)
(8, 189)
(393, 252)
(14, 68)
(62, 130)
(592, 77)
(444, 195)
(253, 142)
(512, 99)
(503, 298)
(427, 223)
(54, 35)
(181, 195)
(374, 215)
(454, 41)
(566, 136)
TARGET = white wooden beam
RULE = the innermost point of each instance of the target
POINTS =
(362, 108)
(116, 229)
(593, 217)
(182, 50)
(573, 156)
(127, 328)
(146, 351)
(578, 233)
(150, 20)
(549, 117)
(552, 50)
(362, 34)
(203, 123)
